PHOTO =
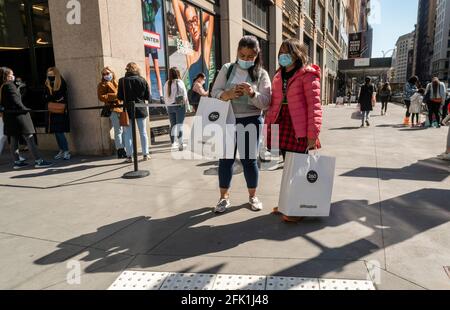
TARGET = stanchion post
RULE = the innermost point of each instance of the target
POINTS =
(136, 174)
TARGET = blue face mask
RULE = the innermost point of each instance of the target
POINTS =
(285, 60)
(108, 77)
(245, 64)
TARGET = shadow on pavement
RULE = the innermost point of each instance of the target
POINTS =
(432, 169)
(182, 236)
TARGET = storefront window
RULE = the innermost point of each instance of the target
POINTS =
(40, 18)
(256, 12)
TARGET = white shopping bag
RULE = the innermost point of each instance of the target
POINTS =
(213, 130)
(2, 136)
(307, 185)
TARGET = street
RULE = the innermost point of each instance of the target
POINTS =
(389, 220)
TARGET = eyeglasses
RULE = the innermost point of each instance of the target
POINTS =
(190, 23)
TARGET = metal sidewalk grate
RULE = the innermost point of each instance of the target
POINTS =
(140, 280)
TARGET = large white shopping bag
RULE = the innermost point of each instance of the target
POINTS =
(213, 130)
(307, 185)
(2, 136)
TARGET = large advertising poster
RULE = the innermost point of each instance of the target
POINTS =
(355, 45)
(155, 59)
(190, 41)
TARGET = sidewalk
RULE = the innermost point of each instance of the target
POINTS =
(390, 209)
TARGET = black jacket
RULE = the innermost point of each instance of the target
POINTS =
(57, 123)
(17, 119)
(134, 88)
(365, 97)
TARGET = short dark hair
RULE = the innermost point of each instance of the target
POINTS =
(421, 91)
(368, 80)
(200, 75)
(413, 80)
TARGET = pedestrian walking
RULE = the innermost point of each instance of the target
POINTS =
(435, 95)
(107, 91)
(57, 101)
(134, 88)
(366, 101)
(17, 121)
(410, 89)
(176, 98)
(416, 107)
(295, 106)
(247, 85)
(385, 95)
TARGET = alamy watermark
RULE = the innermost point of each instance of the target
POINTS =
(73, 16)
(73, 276)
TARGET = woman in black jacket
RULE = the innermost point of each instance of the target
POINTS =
(58, 124)
(134, 88)
(366, 101)
(17, 121)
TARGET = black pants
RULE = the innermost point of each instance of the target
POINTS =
(433, 108)
(384, 104)
(407, 104)
(415, 115)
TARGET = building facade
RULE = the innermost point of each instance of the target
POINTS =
(81, 37)
(441, 56)
(323, 26)
(403, 57)
(424, 40)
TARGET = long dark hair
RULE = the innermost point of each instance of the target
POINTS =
(251, 42)
(297, 49)
(174, 74)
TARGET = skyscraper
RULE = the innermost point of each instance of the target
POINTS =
(441, 56)
(425, 31)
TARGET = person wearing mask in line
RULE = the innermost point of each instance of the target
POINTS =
(176, 99)
(58, 123)
(410, 89)
(247, 86)
(17, 121)
(198, 91)
(295, 105)
(435, 95)
(134, 88)
(107, 93)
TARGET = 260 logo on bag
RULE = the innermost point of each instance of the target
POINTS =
(214, 116)
(312, 177)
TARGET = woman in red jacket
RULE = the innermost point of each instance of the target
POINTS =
(296, 105)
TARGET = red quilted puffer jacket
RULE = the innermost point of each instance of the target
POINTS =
(303, 94)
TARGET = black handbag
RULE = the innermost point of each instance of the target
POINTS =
(106, 112)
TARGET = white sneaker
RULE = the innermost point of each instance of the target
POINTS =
(60, 155)
(175, 145)
(67, 155)
(222, 206)
(255, 204)
(444, 156)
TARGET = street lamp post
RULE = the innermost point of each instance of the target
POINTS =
(385, 53)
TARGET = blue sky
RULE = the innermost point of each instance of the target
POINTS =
(395, 18)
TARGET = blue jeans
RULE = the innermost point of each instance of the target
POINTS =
(128, 137)
(176, 116)
(365, 116)
(118, 130)
(62, 141)
(248, 155)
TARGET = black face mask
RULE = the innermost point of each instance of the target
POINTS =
(51, 78)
